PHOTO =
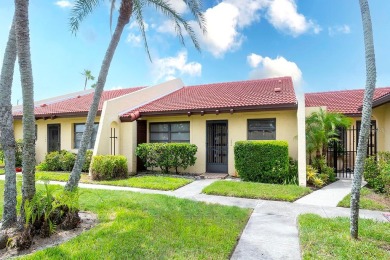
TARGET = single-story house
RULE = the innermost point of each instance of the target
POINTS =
(212, 116)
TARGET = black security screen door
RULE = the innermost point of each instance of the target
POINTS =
(53, 138)
(217, 146)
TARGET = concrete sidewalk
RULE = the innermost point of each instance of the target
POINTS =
(329, 196)
(271, 232)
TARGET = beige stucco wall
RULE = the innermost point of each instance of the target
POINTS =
(126, 132)
(67, 134)
(286, 129)
(382, 116)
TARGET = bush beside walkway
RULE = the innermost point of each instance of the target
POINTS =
(253, 190)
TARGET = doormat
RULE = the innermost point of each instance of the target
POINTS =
(387, 216)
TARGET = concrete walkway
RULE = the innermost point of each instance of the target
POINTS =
(271, 232)
(329, 196)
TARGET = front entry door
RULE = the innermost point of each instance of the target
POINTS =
(53, 138)
(217, 146)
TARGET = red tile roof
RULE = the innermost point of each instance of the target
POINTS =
(347, 102)
(251, 94)
(75, 106)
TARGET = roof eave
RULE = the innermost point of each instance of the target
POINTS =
(221, 110)
(59, 115)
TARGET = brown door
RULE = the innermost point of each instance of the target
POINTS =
(141, 138)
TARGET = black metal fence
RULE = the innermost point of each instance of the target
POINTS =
(341, 154)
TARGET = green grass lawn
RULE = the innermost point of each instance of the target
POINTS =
(256, 190)
(1, 171)
(142, 226)
(323, 238)
(368, 200)
(146, 182)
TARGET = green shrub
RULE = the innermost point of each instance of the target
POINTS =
(63, 161)
(53, 161)
(377, 172)
(385, 176)
(87, 162)
(1, 154)
(19, 153)
(262, 161)
(292, 176)
(67, 160)
(322, 168)
(107, 167)
(167, 155)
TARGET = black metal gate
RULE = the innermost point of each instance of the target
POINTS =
(217, 146)
(341, 154)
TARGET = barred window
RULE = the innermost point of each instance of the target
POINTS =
(262, 129)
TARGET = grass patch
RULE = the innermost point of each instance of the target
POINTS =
(146, 182)
(254, 190)
(2, 171)
(368, 200)
(143, 226)
(323, 238)
(149, 182)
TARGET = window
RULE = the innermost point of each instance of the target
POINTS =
(177, 132)
(78, 133)
(262, 129)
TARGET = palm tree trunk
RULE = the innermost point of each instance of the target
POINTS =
(23, 49)
(366, 116)
(7, 138)
(123, 19)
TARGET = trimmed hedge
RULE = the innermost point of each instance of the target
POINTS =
(262, 161)
(63, 161)
(107, 167)
(167, 155)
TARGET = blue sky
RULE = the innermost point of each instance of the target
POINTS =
(318, 42)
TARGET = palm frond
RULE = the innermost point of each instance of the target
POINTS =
(137, 10)
(195, 7)
(80, 10)
(178, 20)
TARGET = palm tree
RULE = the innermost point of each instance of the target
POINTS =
(366, 116)
(22, 33)
(7, 138)
(127, 9)
(321, 130)
(88, 76)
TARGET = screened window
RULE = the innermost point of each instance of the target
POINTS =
(262, 129)
(177, 132)
(78, 133)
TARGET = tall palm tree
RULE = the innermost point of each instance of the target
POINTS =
(7, 138)
(128, 8)
(366, 116)
(22, 33)
(321, 130)
(88, 76)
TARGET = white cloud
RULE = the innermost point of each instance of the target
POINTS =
(253, 60)
(226, 20)
(269, 68)
(284, 16)
(134, 39)
(117, 88)
(64, 4)
(171, 67)
(134, 24)
(339, 29)
(178, 5)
